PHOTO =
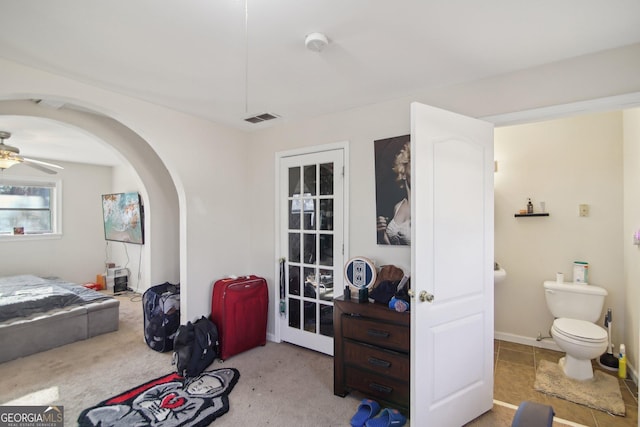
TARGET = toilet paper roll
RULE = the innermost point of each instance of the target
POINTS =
(560, 277)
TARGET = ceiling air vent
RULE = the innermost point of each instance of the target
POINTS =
(261, 118)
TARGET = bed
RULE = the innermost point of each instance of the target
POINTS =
(38, 313)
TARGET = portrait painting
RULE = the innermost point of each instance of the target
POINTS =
(393, 190)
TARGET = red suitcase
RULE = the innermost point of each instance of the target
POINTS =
(239, 309)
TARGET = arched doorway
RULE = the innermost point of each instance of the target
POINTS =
(161, 260)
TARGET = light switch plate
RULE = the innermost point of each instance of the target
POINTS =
(584, 210)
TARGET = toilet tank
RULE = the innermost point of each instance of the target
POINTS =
(574, 301)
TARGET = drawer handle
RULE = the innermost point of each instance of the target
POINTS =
(378, 334)
(379, 362)
(381, 388)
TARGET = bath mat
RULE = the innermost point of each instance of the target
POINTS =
(602, 392)
(167, 401)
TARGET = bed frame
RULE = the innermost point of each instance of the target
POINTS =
(43, 331)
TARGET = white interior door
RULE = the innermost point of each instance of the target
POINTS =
(452, 267)
(311, 241)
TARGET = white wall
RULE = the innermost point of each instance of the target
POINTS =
(359, 127)
(127, 255)
(224, 178)
(574, 80)
(79, 254)
(160, 254)
(564, 163)
(205, 161)
(554, 162)
(631, 225)
(82, 252)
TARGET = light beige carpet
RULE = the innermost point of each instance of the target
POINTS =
(602, 392)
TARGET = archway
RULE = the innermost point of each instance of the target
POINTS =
(161, 251)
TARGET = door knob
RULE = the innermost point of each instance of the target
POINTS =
(426, 296)
(423, 296)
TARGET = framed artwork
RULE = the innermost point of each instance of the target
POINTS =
(123, 217)
(393, 187)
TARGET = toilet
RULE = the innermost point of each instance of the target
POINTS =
(576, 308)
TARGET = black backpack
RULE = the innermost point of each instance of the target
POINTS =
(161, 309)
(195, 347)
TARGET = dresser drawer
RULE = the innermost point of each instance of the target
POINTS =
(377, 386)
(384, 362)
(374, 332)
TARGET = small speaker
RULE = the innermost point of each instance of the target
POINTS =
(120, 284)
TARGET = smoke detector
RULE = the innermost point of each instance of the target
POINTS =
(316, 42)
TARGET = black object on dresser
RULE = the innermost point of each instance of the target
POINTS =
(371, 352)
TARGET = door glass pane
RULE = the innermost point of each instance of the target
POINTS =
(326, 179)
(326, 320)
(310, 282)
(310, 316)
(312, 219)
(326, 285)
(326, 249)
(309, 249)
(294, 181)
(294, 313)
(310, 180)
(309, 214)
(326, 214)
(294, 280)
(294, 214)
(294, 247)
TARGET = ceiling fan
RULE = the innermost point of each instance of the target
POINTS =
(10, 156)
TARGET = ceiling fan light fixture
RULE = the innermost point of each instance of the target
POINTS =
(7, 153)
(10, 156)
(7, 162)
(316, 42)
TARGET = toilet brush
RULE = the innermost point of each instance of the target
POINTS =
(608, 360)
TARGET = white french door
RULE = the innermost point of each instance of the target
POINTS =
(311, 227)
(452, 267)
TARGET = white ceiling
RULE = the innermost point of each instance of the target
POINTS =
(44, 139)
(226, 60)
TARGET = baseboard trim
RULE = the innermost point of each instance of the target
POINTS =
(547, 343)
(632, 373)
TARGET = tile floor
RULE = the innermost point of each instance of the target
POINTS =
(515, 373)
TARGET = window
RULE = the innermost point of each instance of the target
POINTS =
(29, 207)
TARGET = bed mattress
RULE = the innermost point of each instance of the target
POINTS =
(25, 295)
(70, 315)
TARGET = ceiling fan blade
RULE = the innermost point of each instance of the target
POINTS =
(40, 162)
(12, 155)
(37, 165)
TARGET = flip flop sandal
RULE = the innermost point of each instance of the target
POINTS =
(366, 410)
(387, 418)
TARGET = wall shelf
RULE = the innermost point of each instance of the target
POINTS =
(532, 214)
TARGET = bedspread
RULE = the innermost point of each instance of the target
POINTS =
(24, 295)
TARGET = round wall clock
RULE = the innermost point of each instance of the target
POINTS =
(360, 272)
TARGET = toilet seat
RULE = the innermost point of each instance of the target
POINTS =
(580, 330)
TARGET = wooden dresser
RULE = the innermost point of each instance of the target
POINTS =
(371, 352)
